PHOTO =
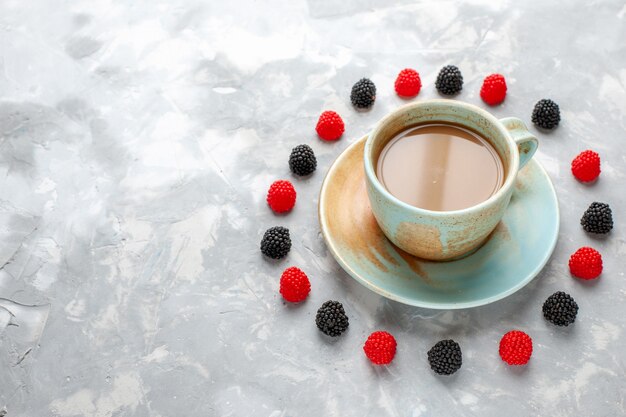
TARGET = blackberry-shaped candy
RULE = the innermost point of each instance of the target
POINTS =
(445, 357)
(560, 309)
(598, 218)
(449, 81)
(331, 318)
(276, 242)
(363, 94)
(546, 114)
(302, 160)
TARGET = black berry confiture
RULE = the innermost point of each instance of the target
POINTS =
(302, 160)
(598, 218)
(560, 309)
(276, 242)
(445, 358)
(331, 318)
(363, 94)
(546, 114)
(449, 81)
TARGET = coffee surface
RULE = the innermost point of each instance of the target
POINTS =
(440, 167)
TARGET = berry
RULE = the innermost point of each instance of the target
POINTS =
(586, 166)
(281, 196)
(449, 81)
(331, 319)
(408, 83)
(294, 285)
(586, 263)
(560, 309)
(445, 357)
(598, 218)
(363, 93)
(546, 114)
(276, 242)
(380, 348)
(302, 160)
(516, 348)
(330, 126)
(493, 90)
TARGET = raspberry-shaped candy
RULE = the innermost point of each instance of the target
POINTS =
(408, 83)
(586, 166)
(586, 263)
(330, 126)
(516, 347)
(493, 90)
(281, 196)
(380, 348)
(294, 285)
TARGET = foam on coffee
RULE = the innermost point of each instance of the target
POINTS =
(440, 167)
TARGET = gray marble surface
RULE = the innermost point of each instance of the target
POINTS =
(138, 139)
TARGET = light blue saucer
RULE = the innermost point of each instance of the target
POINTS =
(515, 253)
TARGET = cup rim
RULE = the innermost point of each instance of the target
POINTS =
(502, 191)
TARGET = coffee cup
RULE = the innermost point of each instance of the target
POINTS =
(445, 235)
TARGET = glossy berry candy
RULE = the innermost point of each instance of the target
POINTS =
(586, 166)
(516, 348)
(598, 218)
(449, 80)
(294, 285)
(281, 196)
(546, 114)
(586, 263)
(330, 126)
(276, 242)
(445, 358)
(560, 309)
(380, 348)
(363, 94)
(408, 83)
(331, 318)
(493, 90)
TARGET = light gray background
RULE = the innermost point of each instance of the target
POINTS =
(138, 139)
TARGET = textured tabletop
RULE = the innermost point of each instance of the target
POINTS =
(138, 140)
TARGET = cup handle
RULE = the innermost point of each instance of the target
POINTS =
(526, 142)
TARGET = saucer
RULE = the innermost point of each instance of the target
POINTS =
(514, 254)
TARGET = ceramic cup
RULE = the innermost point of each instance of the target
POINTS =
(445, 235)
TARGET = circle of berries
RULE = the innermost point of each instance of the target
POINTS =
(516, 348)
(380, 348)
(586, 166)
(330, 126)
(294, 285)
(281, 196)
(408, 83)
(493, 90)
(586, 263)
